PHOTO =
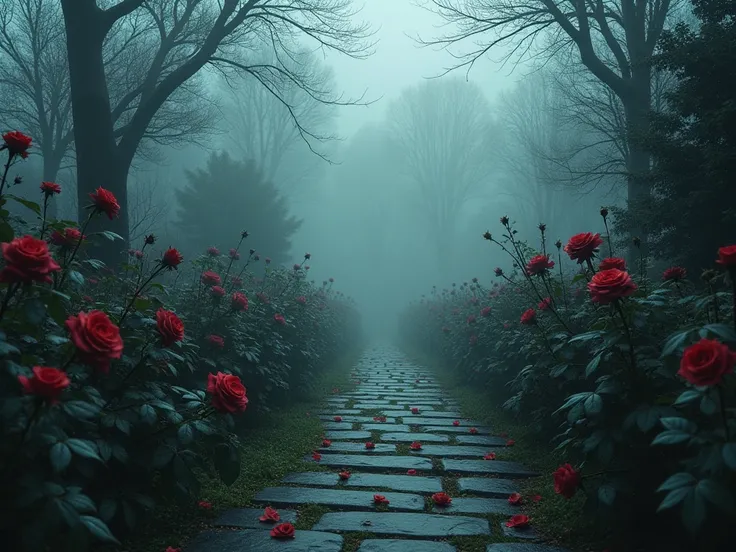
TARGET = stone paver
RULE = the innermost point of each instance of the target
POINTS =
(384, 427)
(478, 506)
(411, 437)
(398, 545)
(487, 486)
(481, 440)
(287, 496)
(406, 483)
(247, 518)
(488, 467)
(374, 463)
(347, 446)
(347, 435)
(260, 540)
(523, 547)
(407, 525)
(450, 451)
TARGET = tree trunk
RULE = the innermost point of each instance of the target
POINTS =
(96, 149)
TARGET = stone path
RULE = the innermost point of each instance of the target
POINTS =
(394, 406)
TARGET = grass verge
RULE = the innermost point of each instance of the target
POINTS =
(274, 448)
(560, 521)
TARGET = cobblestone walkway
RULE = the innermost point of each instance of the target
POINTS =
(421, 446)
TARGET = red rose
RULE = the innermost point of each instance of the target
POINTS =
(727, 256)
(105, 202)
(609, 285)
(411, 472)
(674, 273)
(27, 260)
(169, 326)
(545, 304)
(515, 499)
(539, 265)
(213, 251)
(239, 302)
(583, 247)
(415, 410)
(316, 456)
(172, 258)
(529, 317)
(228, 392)
(68, 238)
(370, 445)
(326, 443)
(204, 505)
(416, 445)
(283, 531)
(456, 423)
(234, 255)
(518, 521)
(270, 515)
(279, 319)
(16, 143)
(217, 292)
(344, 475)
(379, 499)
(210, 278)
(96, 338)
(706, 362)
(490, 456)
(216, 341)
(339, 418)
(473, 430)
(50, 188)
(441, 499)
(485, 312)
(510, 443)
(567, 480)
(47, 383)
(612, 262)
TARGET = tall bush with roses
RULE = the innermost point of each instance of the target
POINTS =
(637, 372)
(120, 386)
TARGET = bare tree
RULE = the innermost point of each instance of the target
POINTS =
(262, 128)
(614, 39)
(441, 129)
(188, 35)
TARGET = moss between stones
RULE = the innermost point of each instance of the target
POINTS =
(274, 448)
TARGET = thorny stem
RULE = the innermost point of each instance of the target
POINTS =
(120, 388)
(5, 173)
(137, 293)
(43, 217)
(608, 237)
(628, 335)
(76, 248)
(562, 278)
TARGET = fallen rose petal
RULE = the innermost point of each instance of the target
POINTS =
(518, 521)
(515, 499)
(411, 472)
(441, 499)
(326, 443)
(380, 499)
(270, 515)
(338, 418)
(537, 498)
(204, 505)
(283, 531)
(456, 423)
(344, 475)
(370, 445)
(510, 443)
(473, 430)
(490, 456)
(416, 445)
(316, 456)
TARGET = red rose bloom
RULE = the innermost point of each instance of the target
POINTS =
(233, 254)
(50, 188)
(545, 304)
(706, 362)
(68, 238)
(16, 143)
(609, 285)
(169, 326)
(204, 505)
(270, 515)
(539, 265)
(210, 278)
(510, 443)
(456, 423)
(316, 456)
(213, 251)
(612, 262)
(47, 383)
(216, 340)
(279, 319)
(217, 292)
(674, 274)
(441, 499)
(105, 202)
(411, 472)
(239, 302)
(326, 443)
(379, 499)
(485, 312)
(473, 430)
(567, 480)
(529, 317)
(518, 521)
(283, 531)
(583, 247)
(344, 475)
(96, 338)
(339, 418)
(414, 410)
(515, 499)
(416, 445)
(27, 260)
(228, 392)
(727, 256)
(490, 456)
(370, 445)
(172, 258)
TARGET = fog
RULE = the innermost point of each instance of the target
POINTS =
(390, 170)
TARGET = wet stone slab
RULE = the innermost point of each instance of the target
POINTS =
(452, 429)
(477, 506)
(489, 467)
(487, 486)
(260, 540)
(338, 425)
(337, 446)
(356, 419)
(481, 440)
(385, 427)
(347, 435)
(449, 451)
(405, 525)
(411, 437)
(247, 518)
(405, 483)
(522, 547)
(369, 462)
(338, 412)
(430, 421)
(527, 533)
(436, 414)
(399, 545)
(338, 498)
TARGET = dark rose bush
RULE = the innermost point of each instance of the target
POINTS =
(122, 386)
(631, 376)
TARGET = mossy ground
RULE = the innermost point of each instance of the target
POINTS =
(276, 447)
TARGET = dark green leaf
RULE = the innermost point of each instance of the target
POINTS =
(593, 364)
(679, 424)
(98, 528)
(82, 410)
(148, 414)
(693, 511)
(76, 277)
(717, 493)
(82, 503)
(84, 448)
(108, 507)
(6, 231)
(32, 205)
(674, 497)
(593, 405)
(687, 397)
(675, 342)
(708, 406)
(671, 438)
(163, 455)
(68, 512)
(185, 434)
(677, 480)
(724, 331)
(60, 456)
